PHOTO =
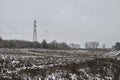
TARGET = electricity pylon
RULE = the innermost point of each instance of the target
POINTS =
(35, 32)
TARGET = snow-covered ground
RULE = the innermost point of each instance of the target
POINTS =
(43, 64)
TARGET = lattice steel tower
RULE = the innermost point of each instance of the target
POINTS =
(35, 31)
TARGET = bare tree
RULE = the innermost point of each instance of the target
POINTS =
(92, 45)
(87, 45)
(54, 44)
(74, 46)
(103, 46)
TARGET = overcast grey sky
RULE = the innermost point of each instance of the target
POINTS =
(76, 21)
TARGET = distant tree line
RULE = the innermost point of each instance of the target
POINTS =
(28, 44)
(52, 45)
(17, 44)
